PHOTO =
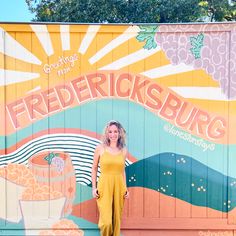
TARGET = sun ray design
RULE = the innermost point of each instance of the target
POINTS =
(88, 38)
(208, 93)
(34, 90)
(167, 70)
(130, 59)
(10, 77)
(12, 48)
(131, 32)
(65, 37)
(1, 40)
(44, 38)
(116, 51)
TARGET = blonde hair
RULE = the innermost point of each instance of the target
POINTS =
(121, 143)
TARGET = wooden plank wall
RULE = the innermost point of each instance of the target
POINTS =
(148, 211)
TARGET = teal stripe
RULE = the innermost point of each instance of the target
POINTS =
(145, 132)
(184, 178)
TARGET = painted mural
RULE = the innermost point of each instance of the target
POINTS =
(173, 87)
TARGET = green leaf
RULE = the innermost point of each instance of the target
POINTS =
(49, 157)
(147, 35)
(141, 37)
(197, 44)
(150, 43)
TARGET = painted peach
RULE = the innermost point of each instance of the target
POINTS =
(63, 227)
(19, 174)
(38, 192)
(57, 167)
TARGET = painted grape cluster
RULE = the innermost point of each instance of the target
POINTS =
(59, 163)
(207, 49)
(54, 159)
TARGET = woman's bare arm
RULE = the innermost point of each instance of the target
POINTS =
(94, 171)
(124, 175)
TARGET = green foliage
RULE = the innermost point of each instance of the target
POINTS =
(172, 11)
(147, 33)
(93, 11)
(131, 11)
(218, 10)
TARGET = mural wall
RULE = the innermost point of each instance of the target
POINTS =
(173, 87)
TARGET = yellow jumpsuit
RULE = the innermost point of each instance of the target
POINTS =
(111, 189)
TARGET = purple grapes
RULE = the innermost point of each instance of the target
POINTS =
(59, 163)
(217, 54)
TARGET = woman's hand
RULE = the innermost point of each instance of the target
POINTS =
(126, 196)
(95, 193)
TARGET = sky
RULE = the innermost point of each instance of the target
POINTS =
(15, 11)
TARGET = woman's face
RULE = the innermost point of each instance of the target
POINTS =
(113, 133)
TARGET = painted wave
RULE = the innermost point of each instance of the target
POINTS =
(184, 178)
(147, 134)
(80, 147)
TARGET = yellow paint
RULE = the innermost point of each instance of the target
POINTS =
(23, 34)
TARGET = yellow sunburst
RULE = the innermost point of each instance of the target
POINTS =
(35, 57)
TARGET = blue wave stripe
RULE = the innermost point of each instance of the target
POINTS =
(81, 149)
(34, 143)
(146, 132)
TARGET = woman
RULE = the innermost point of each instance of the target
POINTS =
(111, 189)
